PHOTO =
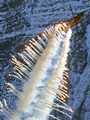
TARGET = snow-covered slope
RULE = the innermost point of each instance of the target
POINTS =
(20, 21)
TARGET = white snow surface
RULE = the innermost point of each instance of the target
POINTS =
(43, 15)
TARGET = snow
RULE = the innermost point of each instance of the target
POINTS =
(79, 89)
(88, 43)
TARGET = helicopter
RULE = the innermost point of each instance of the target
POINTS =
(75, 19)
